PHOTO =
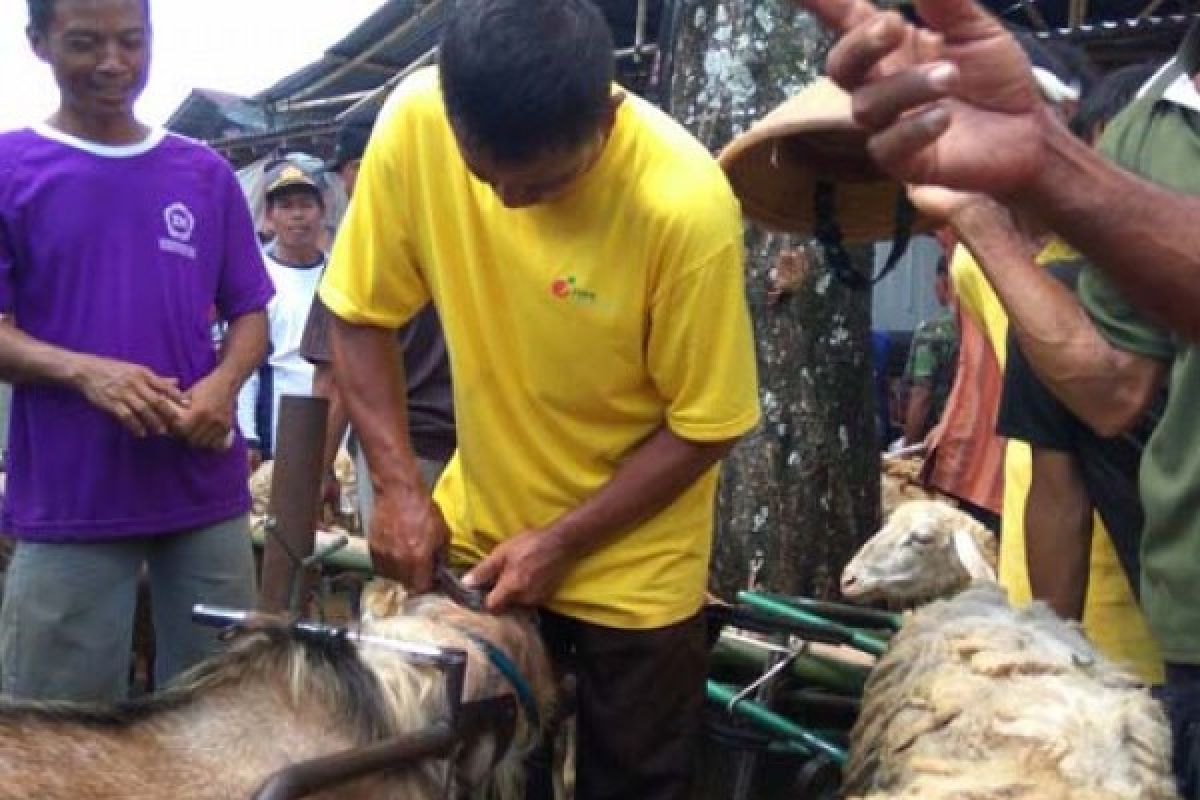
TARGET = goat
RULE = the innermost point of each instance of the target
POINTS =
(976, 699)
(272, 699)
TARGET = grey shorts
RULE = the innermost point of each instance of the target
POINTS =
(66, 626)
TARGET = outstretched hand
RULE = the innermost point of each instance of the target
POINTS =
(953, 105)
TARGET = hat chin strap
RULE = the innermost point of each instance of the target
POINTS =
(827, 232)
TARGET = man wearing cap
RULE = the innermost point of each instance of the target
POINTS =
(426, 367)
(116, 242)
(585, 254)
(295, 262)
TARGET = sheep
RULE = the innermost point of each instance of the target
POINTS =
(273, 699)
(900, 482)
(926, 550)
(976, 699)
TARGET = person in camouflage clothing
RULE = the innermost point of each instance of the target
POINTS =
(929, 372)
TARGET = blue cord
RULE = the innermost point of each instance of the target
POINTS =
(505, 666)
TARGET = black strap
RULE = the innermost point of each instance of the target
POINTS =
(829, 234)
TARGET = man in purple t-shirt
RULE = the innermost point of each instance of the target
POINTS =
(116, 243)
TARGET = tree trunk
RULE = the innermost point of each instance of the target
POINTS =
(801, 493)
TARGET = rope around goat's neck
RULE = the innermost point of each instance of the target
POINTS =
(512, 673)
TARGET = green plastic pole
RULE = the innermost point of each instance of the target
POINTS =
(773, 723)
(862, 641)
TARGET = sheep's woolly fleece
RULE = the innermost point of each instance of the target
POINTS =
(976, 700)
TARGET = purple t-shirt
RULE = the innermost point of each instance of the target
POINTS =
(122, 252)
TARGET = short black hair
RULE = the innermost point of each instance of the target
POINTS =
(1110, 95)
(41, 12)
(521, 78)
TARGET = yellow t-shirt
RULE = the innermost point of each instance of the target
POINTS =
(1111, 616)
(575, 328)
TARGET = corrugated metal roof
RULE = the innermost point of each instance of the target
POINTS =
(207, 114)
(387, 42)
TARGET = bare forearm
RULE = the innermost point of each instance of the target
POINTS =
(1058, 533)
(370, 379)
(1102, 385)
(243, 350)
(916, 416)
(24, 359)
(655, 475)
(1142, 236)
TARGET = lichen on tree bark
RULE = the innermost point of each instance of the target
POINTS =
(800, 493)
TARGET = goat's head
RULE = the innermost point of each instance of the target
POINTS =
(926, 549)
(389, 612)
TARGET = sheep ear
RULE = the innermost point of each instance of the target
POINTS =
(969, 555)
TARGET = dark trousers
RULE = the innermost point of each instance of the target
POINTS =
(639, 699)
(1181, 699)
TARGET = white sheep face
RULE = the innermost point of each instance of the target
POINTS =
(915, 558)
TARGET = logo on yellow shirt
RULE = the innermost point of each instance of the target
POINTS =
(566, 289)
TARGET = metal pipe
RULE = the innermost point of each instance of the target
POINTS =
(417, 652)
(372, 95)
(856, 616)
(862, 641)
(633, 52)
(368, 53)
(305, 778)
(771, 722)
(295, 487)
(639, 30)
(322, 102)
(742, 655)
(497, 715)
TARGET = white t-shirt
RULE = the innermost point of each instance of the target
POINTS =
(290, 373)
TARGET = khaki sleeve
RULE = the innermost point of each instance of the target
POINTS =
(701, 350)
(1119, 322)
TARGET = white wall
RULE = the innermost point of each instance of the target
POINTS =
(905, 297)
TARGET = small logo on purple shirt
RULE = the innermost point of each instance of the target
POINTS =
(180, 224)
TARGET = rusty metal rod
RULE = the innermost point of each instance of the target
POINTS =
(301, 780)
(496, 714)
(295, 487)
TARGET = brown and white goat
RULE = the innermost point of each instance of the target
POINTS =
(273, 699)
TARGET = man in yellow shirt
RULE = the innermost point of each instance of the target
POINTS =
(585, 255)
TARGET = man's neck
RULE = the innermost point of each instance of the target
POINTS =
(116, 131)
(298, 257)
